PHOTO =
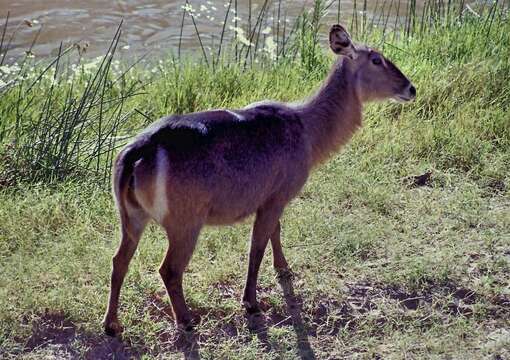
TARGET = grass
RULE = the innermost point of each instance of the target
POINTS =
(400, 244)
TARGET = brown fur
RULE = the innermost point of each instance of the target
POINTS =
(333, 115)
(218, 167)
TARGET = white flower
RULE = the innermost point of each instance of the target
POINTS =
(125, 47)
(188, 8)
(90, 66)
(241, 37)
(5, 69)
(203, 8)
(213, 8)
(266, 31)
(270, 47)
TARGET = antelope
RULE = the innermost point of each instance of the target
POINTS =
(218, 167)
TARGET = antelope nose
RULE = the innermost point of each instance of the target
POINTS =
(412, 91)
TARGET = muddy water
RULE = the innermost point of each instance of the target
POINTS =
(153, 25)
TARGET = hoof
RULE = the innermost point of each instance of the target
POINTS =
(186, 328)
(186, 324)
(284, 274)
(251, 309)
(256, 321)
(113, 328)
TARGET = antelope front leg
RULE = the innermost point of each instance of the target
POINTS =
(266, 222)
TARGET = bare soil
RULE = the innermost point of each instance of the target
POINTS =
(323, 315)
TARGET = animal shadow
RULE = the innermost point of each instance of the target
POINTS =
(187, 343)
(257, 323)
(294, 309)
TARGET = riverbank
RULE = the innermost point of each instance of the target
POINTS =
(399, 244)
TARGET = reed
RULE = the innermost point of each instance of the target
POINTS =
(71, 131)
(390, 19)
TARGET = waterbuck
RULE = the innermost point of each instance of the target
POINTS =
(220, 166)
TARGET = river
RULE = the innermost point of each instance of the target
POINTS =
(148, 25)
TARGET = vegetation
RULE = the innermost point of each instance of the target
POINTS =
(400, 244)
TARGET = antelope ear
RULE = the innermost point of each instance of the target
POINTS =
(340, 42)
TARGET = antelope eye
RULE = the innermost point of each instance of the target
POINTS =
(377, 61)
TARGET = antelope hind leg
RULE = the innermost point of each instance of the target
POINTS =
(132, 228)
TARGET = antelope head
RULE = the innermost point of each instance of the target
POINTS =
(376, 77)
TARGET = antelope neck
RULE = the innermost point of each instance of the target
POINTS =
(334, 113)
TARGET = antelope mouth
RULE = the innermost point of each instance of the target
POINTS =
(406, 95)
(403, 98)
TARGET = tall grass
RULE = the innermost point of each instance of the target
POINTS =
(65, 118)
(61, 121)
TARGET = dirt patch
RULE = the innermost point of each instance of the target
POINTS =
(415, 181)
(496, 186)
(229, 324)
(360, 302)
(160, 310)
(55, 331)
(56, 334)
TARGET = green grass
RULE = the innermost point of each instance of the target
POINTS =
(384, 268)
